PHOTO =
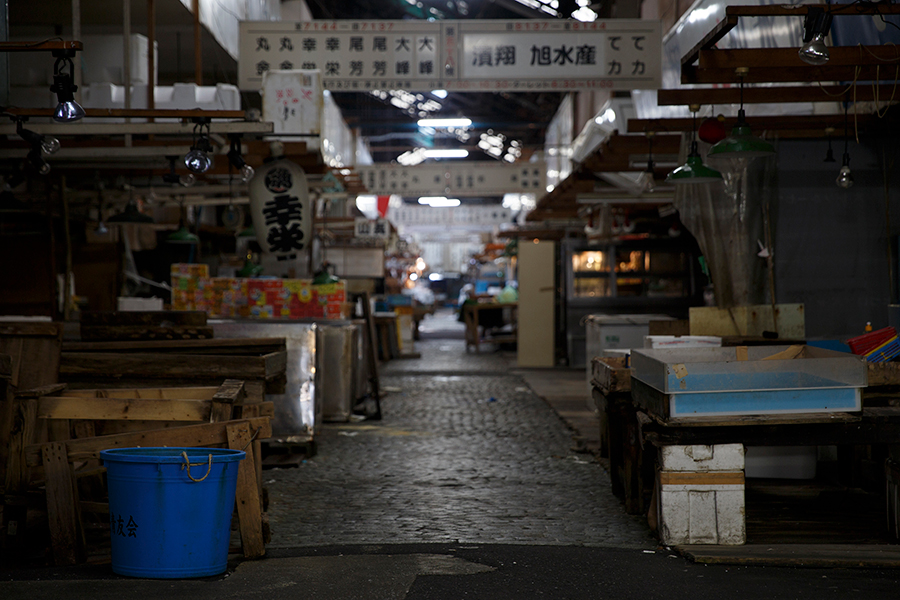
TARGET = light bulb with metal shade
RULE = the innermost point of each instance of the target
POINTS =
(845, 177)
(37, 161)
(814, 52)
(247, 173)
(198, 159)
(49, 144)
(67, 110)
(646, 182)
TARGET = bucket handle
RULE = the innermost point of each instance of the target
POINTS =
(188, 465)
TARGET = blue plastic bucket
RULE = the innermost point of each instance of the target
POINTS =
(170, 510)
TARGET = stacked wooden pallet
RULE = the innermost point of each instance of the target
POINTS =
(188, 417)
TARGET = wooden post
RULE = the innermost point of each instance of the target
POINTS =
(15, 504)
(372, 358)
(247, 493)
(62, 508)
(228, 395)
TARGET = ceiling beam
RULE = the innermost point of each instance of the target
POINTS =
(121, 129)
(775, 94)
(787, 126)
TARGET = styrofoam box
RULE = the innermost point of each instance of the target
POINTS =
(682, 341)
(702, 514)
(102, 59)
(701, 497)
(701, 458)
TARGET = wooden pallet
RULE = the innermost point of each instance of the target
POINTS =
(64, 462)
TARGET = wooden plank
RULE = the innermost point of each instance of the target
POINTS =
(44, 390)
(805, 555)
(790, 353)
(173, 393)
(212, 346)
(168, 366)
(5, 366)
(247, 493)
(18, 329)
(144, 332)
(884, 374)
(61, 507)
(771, 94)
(122, 409)
(275, 364)
(21, 436)
(610, 374)
(229, 394)
(705, 478)
(183, 318)
(207, 434)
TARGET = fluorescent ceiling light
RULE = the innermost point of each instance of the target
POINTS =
(463, 122)
(446, 153)
(439, 93)
(439, 201)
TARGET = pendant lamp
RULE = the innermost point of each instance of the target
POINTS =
(845, 177)
(742, 143)
(693, 170)
(646, 180)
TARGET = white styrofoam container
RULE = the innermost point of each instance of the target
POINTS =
(102, 60)
(681, 341)
(701, 458)
(701, 497)
(702, 514)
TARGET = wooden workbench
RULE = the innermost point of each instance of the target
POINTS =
(473, 318)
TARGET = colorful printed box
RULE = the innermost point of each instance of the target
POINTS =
(233, 297)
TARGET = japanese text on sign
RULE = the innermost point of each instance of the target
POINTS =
(457, 55)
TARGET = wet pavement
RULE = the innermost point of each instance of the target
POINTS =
(471, 486)
(466, 452)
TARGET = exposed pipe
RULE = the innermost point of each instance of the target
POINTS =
(126, 59)
(76, 35)
(151, 54)
(4, 60)
(198, 56)
(126, 50)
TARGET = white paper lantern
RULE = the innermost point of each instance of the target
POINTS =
(280, 207)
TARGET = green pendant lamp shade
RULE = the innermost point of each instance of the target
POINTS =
(182, 236)
(693, 170)
(742, 143)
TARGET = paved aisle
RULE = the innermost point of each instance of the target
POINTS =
(466, 452)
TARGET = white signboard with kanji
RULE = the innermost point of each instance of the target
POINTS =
(371, 229)
(463, 55)
(455, 179)
(293, 101)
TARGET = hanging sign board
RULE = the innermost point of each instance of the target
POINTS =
(371, 229)
(456, 179)
(464, 55)
(293, 101)
(280, 207)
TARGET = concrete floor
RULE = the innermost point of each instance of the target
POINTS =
(477, 483)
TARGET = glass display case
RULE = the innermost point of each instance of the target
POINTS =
(617, 272)
(626, 277)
